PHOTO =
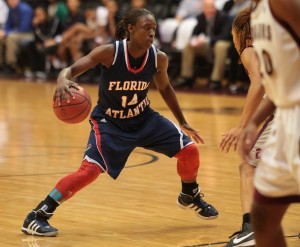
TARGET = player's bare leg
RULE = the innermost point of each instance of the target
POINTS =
(266, 221)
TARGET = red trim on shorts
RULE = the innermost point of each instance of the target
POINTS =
(98, 139)
(275, 200)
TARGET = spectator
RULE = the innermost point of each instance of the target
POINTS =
(74, 31)
(57, 9)
(188, 9)
(18, 27)
(132, 4)
(211, 40)
(3, 18)
(3, 13)
(107, 16)
(186, 13)
(34, 53)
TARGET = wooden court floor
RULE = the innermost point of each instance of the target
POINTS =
(139, 208)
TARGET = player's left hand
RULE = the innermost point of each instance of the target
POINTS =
(247, 141)
(192, 133)
(229, 139)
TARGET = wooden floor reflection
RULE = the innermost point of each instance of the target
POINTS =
(139, 208)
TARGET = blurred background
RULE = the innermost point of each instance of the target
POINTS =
(40, 37)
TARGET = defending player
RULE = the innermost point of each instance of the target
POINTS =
(241, 33)
(276, 34)
(123, 119)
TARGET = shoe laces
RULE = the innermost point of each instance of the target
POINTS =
(198, 200)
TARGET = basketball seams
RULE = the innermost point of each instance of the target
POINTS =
(79, 113)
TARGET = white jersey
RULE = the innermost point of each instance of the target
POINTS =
(278, 50)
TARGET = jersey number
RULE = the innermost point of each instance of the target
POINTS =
(133, 101)
(267, 62)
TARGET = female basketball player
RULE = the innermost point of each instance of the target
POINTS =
(276, 34)
(241, 33)
(123, 119)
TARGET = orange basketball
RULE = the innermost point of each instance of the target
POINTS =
(76, 110)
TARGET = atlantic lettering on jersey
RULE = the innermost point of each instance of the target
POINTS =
(129, 113)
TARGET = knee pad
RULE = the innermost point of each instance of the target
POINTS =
(188, 162)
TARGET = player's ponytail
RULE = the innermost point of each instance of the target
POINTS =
(241, 25)
(130, 17)
(120, 31)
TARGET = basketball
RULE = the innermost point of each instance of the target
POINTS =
(76, 110)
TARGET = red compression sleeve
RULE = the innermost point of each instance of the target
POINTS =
(75, 181)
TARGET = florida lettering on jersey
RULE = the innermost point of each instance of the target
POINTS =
(128, 85)
(123, 90)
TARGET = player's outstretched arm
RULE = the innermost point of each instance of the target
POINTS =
(167, 92)
(253, 99)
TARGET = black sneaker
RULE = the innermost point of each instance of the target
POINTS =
(245, 237)
(197, 204)
(36, 224)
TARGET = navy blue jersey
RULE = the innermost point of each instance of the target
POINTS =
(123, 89)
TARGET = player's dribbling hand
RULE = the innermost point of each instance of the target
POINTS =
(62, 90)
(192, 133)
(246, 141)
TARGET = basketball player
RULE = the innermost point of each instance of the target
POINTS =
(123, 119)
(241, 33)
(276, 34)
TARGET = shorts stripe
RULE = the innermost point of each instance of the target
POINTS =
(181, 137)
(98, 140)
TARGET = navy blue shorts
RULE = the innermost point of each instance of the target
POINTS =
(109, 146)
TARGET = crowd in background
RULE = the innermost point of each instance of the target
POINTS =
(39, 38)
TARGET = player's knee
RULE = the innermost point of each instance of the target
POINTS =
(74, 182)
(89, 170)
(188, 151)
(246, 169)
(85, 175)
(188, 162)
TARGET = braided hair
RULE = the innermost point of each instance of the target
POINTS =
(130, 17)
(242, 28)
